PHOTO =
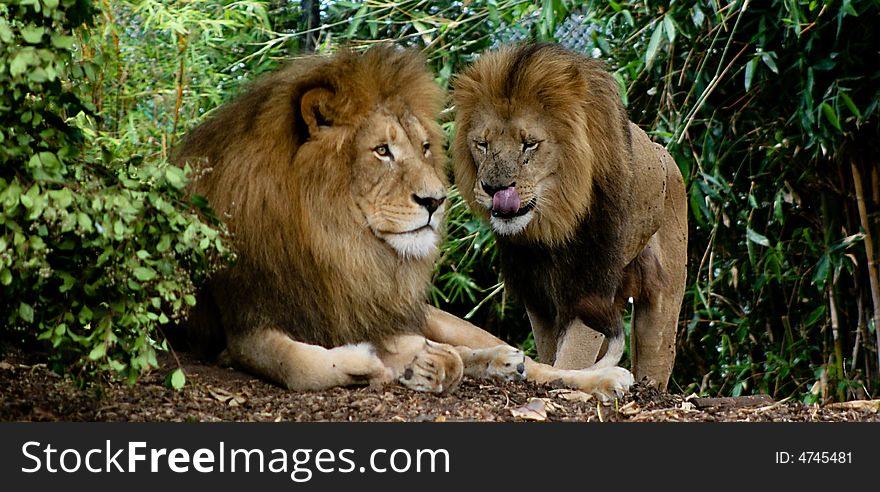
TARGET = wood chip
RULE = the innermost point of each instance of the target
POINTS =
(869, 405)
(535, 409)
(630, 409)
(6, 366)
(733, 401)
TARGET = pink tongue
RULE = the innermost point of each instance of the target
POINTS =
(506, 201)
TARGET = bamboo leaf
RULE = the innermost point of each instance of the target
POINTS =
(654, 45)
(814, 316)
(851, 105)
(669, 28)
(756, 237)
(831, 115)
(767, 58)
(750, 73)
(821, 274)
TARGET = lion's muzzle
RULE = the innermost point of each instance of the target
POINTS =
(430, 203)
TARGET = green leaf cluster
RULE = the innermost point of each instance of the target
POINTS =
(99, 247)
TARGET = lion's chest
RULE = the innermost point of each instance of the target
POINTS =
(551, 281)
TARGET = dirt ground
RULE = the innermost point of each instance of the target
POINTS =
(31, 392)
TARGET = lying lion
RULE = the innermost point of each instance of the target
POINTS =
(586, 210)
(330, 177)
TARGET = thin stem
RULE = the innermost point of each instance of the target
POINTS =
(869, 252)
(182, 41)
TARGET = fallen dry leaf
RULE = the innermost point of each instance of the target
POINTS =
(535, 409)
(572, 395)
(226, 397)
(6, 366)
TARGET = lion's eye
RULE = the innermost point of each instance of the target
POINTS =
(383, 152)
(426, 148)
(529, 146)
(482, 145)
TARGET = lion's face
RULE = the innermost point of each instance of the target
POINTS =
(516, 168)
(397, 182)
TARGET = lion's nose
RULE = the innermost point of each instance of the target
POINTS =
(430, 203)
(492, 189)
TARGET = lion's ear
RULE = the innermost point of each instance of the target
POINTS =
(315, 109)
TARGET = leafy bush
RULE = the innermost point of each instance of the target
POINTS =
(96, 250)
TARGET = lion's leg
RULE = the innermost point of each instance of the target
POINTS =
(423, 365)
(655, 313)
(653, 346)
(605, 383)
(578, 347)
(300, 366)
(484, 355)
(448, 328)
(655, 321)
(546, 337)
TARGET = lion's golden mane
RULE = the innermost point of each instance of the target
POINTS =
(580, 108)
(306, 262)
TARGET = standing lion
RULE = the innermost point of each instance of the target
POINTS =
(330, 176)
(586, 210)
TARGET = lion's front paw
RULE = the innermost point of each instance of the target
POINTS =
(502, 362)
(436, 369)
(610, 382)
(359, 364)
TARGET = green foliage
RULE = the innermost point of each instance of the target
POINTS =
(98, 247)
(766, 106)
(160, 66)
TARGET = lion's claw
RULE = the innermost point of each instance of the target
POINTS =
(436, 369)
(612, 382)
